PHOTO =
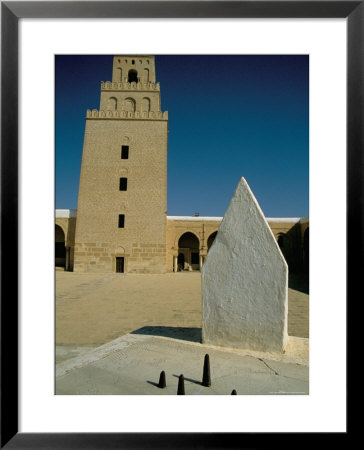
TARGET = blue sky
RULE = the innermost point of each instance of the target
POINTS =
(229, 116)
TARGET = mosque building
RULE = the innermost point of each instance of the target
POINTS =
(121, 223)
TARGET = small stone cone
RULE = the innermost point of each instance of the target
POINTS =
(181, 385)
(162, 380)
(234, 392)
(206, 379)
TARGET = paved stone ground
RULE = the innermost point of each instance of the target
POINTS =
(93, 309)
(131, 365)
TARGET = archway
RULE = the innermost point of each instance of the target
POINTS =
(281, 238)
(132, 76)
(181, 261)
(189, 252)
(211, 239)
(306, 250)
(60, 248)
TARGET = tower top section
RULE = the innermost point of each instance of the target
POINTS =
(132, 93)
(133, 69)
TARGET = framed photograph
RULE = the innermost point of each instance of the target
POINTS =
(31, 415)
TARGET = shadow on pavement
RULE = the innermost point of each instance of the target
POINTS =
(153, 383)
(183, 333)
(191, 380)
(299, 282)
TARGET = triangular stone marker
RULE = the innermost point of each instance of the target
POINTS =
(245, 281)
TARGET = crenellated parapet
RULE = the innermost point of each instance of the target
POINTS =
(126, 86)
(141, 115)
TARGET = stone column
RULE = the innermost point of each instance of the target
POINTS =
(201, 262)
(67, 265)
(175, 263)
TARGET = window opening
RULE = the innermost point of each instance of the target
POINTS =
(125, 152)
(123, 184)
(133, 76)
(121, 220)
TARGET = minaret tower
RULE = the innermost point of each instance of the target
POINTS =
(122, 199)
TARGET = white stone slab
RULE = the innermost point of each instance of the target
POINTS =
(245, 281)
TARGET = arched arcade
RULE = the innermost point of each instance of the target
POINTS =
(188, 252)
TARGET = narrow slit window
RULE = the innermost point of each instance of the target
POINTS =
(121, 220)
(123, 184)
(125, 152)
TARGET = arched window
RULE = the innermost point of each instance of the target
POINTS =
(119, 74)
(112, 104)
(146, 75)
(129, 105)
(145, 104)
(132, 76)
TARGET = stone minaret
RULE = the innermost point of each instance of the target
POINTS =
(122, 199)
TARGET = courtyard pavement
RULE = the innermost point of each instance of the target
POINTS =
(115, 333)
(131, 365)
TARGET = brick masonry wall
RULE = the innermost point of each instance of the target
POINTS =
(158, 257)
(99, 240)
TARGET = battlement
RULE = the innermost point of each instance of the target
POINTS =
(151, 115)
(126, 86)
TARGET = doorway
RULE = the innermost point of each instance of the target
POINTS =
(60, 248)
(120, 264)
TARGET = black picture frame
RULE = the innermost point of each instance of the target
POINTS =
(11, 12)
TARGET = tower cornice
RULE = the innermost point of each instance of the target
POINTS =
(126, 86)
(144, 115)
